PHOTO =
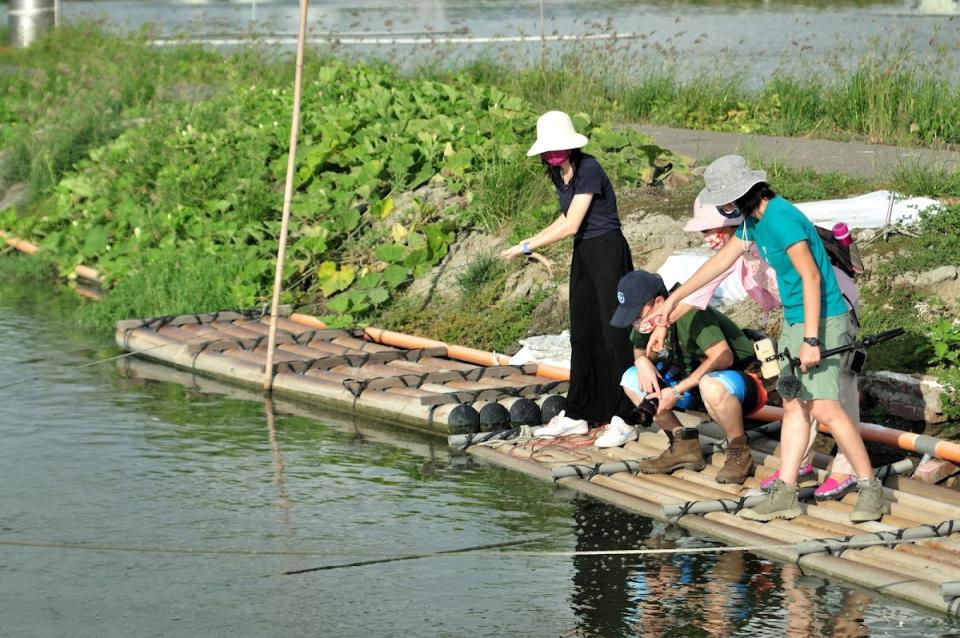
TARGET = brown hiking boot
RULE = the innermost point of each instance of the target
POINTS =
(683, 452)
(739, 464)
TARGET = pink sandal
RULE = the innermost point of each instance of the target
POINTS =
(805, 473)
(834, 489)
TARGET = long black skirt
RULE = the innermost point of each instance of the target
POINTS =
(600, 353)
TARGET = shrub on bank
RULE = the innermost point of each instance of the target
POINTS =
(185, 161)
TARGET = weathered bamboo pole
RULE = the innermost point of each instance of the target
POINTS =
(287, 196)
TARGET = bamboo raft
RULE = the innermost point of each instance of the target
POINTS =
(424, 384)
(473, 395)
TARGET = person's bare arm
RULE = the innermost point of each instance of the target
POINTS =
(562, 227)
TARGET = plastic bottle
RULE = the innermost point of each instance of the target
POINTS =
(845, 238)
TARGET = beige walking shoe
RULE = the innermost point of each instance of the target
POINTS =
(739, 464)
(870, 505)
(779, 502)
(682, 453)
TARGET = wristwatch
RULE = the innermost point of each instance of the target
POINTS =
(525, 248)
(812, 341)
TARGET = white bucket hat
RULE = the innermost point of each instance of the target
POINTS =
(555, 132)
(708, 217)
(727, 179)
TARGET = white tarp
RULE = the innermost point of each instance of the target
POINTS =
(680, 265)
(550, 349)
(865, 211)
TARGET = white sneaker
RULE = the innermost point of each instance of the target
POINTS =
(616, 434)
(562, 424)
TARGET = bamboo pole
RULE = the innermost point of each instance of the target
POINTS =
(287, 196)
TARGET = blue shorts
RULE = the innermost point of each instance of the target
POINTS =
(747, 388)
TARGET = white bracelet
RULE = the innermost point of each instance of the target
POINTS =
(525, 248)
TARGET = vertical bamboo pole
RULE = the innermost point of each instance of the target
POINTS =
(543, 38)
(287, 197)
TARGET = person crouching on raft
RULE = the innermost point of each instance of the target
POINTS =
(707, 352)
(588, 212)
(815, 316)
(759, 281)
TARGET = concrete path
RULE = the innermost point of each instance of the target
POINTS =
(852, 158)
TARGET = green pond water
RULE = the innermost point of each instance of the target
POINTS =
(136, 500)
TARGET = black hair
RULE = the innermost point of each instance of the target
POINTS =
(749, 202)
(576, 156)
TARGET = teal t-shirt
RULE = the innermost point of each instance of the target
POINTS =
(698, 330)
(781, 226)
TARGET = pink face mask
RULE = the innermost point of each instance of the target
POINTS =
(555, 158)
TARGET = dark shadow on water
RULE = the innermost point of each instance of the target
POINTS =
(714, 595)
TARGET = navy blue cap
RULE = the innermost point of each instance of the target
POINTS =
(634, 291)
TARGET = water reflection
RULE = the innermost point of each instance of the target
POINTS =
(727, 594)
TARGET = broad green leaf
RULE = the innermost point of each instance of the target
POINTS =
(378, 295)
(370, 280)
(395, 275)
(339, 304)
(337, 280)
(95, 241)
(390, 252)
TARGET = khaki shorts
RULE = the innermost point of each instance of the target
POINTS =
(823, 381)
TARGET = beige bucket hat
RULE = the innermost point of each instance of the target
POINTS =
(707, 217)
(728, 178)
(555, 132)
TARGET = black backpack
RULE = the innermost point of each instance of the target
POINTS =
(838, 253)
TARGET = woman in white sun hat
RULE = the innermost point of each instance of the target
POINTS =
(588, 213)
(815, 314)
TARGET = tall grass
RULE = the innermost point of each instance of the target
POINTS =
(929, 180)
(890, 95)
(172, 282)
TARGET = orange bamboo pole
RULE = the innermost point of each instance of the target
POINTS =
(307, 320)
(29, 248)
(946, 450)
(459, 353)
(20, 244)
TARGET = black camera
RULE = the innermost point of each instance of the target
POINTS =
(644, 412)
